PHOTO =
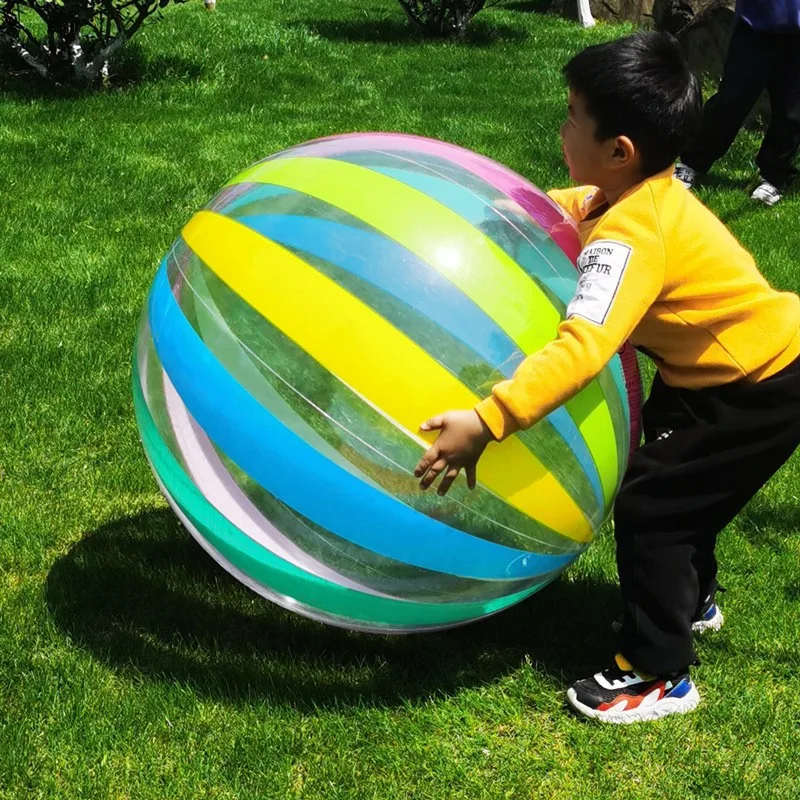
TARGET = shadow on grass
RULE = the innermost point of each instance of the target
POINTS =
(131, 68)
(792, 592)
(724, 181)
(21, 82)
(142, 597)
(745, 207)
(534, 6)
(769, 525)
(479, 33)
(780, 661)
(135, 66)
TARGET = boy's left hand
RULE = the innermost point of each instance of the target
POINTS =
(463, 438)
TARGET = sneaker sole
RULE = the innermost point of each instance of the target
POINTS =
(663, 708)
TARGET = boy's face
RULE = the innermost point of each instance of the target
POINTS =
(590, 161)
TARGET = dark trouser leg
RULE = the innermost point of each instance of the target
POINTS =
(706, 453)
(747, 69)
(782, 141)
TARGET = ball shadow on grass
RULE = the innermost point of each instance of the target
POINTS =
(142, 597)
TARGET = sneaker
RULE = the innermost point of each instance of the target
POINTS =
(709, 619)
(766, 193)
(686, 175)
(621, 695)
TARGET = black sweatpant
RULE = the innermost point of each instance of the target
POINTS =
(705, 455)
(756, 61)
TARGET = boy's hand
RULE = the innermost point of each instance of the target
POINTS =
(463, 438)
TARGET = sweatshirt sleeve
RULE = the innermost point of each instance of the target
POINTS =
(573, 199)
(621, 275)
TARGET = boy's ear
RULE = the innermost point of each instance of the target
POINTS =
(623, 152)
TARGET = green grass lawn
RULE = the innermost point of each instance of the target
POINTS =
(130, 665)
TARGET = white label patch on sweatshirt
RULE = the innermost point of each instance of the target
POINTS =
(602, 266)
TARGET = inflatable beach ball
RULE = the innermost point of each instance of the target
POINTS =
(323, 304)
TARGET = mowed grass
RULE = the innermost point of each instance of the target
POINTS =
(130, 665)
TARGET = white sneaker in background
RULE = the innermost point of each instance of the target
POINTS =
(766, 193)
(686, 175)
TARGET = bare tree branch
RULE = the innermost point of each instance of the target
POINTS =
(26, 56)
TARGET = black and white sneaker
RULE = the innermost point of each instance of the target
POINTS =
(686, 175)
(709, 619)
(621, 695)
(766, 193)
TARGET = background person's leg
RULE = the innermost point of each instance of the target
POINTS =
(782, 141)
(747, 68)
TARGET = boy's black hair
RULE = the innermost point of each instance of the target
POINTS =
(640, 87)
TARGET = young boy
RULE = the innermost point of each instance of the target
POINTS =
(723, 414)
